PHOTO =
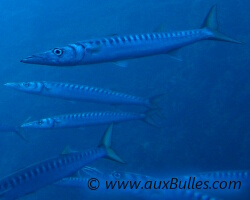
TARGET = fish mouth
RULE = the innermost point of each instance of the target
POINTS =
(28, 59)
(34, 59)
(27, 125)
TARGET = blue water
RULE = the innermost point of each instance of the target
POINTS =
(207, 109)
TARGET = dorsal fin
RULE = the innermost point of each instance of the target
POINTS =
(67, 150)
(160, 28)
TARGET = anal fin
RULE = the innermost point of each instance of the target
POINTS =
(175, 55)
(121, 63)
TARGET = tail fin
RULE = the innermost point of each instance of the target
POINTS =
(154, 101)
(211, 24)
(17, 132)
(12, 130)
(153, 117)
(106, 143)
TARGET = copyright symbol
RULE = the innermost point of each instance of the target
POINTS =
(93, 183)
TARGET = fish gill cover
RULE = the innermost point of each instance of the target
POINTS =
(204, 115)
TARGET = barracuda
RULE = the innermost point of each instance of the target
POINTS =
(242, 175)
(39, 175)
(82, 93)
(235, 183)
(81, 181)
(90, 119)
(116, 48)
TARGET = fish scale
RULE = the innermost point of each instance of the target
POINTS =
(150, 37)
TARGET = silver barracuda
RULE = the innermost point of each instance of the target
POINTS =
(90, 119)
(117, 48)
(85, 174)
(242, 175)
(82, 93)
(234, 184)
(47, 172)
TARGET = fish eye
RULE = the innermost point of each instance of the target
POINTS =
(26, 84)
(57, 52)
(40, 122)
(116, 175)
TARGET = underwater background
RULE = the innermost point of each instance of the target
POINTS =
(206, 109)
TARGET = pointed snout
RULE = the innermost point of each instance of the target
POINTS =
(40, 58)
(30, 59)
(25, 60)
(12, 85)
(26, 125)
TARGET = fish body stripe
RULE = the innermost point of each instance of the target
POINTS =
(88, 92)
(83, 119)
(226, 174)
(120, 40)
(46, 172)
(98, 115)
(79, 92)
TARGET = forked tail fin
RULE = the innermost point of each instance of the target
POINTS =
(154, 117)
(211, 23)
(155, 100)
(17, 132)
(106, 143)
(11, 129)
